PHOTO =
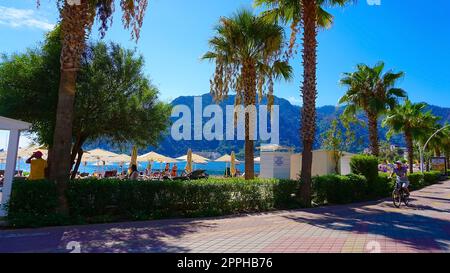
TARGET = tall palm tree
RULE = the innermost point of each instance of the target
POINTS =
(311, 15)
(374, 92)
(411, 120)
(77, 18)
(246, 51)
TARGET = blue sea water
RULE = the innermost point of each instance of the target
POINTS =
(212, 168)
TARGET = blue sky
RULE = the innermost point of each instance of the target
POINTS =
(411, 36)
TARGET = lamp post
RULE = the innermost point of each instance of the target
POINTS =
(422, 150)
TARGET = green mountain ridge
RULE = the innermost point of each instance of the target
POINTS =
(289, 125)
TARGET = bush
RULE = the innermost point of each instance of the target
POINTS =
(383, 186)
(416, 181)
(92, 200)
(34, 203)
(366, 165)
(430, 178)
(420, 180)
(338, 189)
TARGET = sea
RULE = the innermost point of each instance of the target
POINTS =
(212, 168)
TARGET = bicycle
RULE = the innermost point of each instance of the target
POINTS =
(399, 195)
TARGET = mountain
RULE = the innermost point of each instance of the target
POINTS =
(289, 128)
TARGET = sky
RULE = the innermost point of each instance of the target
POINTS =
(409, 36)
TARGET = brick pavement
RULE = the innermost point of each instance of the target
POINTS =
(365, 227)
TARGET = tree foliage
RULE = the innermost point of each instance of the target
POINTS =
(373, 91)
(114, 98)
(337, 140)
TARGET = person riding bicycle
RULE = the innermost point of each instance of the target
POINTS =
(401, 173)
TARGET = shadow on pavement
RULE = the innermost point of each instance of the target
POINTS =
(124, 237)
(417, 231)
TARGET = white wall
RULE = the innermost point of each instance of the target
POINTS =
(323, 163)
(275, 165)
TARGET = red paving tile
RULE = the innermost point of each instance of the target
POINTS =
(366, 227)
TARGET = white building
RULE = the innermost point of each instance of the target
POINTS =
(280, 162)
(275, 161)
(323, 163)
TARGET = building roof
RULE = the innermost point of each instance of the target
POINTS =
(13, 124)
(275, 148)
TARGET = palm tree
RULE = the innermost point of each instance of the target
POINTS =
(77, 18)
(445, 143)
(411, 120)
(246, 52)
(373, 92)
(311, 15)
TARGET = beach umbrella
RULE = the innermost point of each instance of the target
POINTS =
(188, 167)
(152, 156)
(195, 158)
(232, 164)
(97, 155)
(226, 158)
(121, 158)
(27, 152)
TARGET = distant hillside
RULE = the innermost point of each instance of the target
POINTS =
(289, 129)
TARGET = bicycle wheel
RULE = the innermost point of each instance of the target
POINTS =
(405, 199)
(396, 198)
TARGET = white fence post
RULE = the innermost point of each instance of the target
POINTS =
(13, 146)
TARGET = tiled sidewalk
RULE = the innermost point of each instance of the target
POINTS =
(368, 227)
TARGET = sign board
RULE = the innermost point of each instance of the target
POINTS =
(439, 164)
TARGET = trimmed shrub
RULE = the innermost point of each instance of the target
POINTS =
(415, 181)
(366, 165)
(383, 186)
(338, 189)
(430, 178)
(33, 203)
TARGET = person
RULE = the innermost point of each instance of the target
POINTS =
(38, 166)
(134, 174)
(174, 170)
(401, 176)
(166, 169)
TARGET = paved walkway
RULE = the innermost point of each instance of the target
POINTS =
(367, 227)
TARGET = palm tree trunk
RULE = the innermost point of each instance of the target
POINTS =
(77, 152)
(77, 164)
(76, 19)
(410, 147)
(49, 161)
(373, 133)
(249, 77)
(79, 141)
(309, 94)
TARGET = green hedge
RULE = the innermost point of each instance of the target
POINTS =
(34, 203)
(91, 200)
(366, 165)
(338, 189)
(416, 181)
(419, 180)
(431, 177)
